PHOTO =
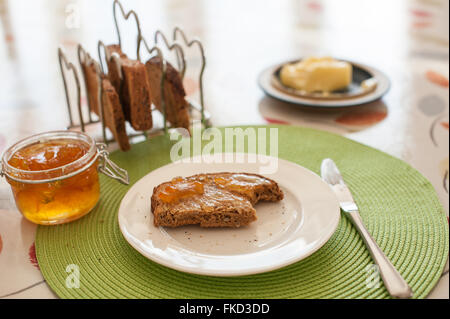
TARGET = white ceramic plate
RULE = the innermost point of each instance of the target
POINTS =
(265, 81)
(285, 232)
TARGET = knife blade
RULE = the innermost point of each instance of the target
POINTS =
(331, 174)
(393, 281)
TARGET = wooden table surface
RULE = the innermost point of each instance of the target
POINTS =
(408, 40)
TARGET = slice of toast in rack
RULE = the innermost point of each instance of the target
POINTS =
(92, 86)
(113, 114)
(177, 108)
(131, 83)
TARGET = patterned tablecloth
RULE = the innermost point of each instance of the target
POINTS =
(408, 40)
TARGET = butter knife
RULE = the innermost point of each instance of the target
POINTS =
(393, 281)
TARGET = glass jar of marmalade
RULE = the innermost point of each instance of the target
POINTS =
(54, 175)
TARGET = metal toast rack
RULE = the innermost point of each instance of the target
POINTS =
(84, 58)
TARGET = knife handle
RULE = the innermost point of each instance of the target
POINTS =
(393, 281)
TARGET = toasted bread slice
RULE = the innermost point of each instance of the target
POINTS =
(131, 82)
(177, 108)
(212, 200)
(92, 86)
(114, 73)
(113, 114)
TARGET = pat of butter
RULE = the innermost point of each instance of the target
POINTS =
(317, 74)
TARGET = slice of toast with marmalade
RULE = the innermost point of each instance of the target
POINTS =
(212, 200)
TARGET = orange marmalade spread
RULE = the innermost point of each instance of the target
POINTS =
(239, 182)
(64, 199)
(180, 188)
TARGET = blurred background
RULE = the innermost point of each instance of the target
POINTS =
(240, 37)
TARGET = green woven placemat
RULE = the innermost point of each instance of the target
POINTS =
(398, 205)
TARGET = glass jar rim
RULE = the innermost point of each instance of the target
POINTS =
(60, 171)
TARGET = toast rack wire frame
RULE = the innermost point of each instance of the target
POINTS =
(175, 46)
(64, 64)
(116, 58)
(177, 30)
(84, 57)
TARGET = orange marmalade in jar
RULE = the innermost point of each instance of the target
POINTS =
(53, 176)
